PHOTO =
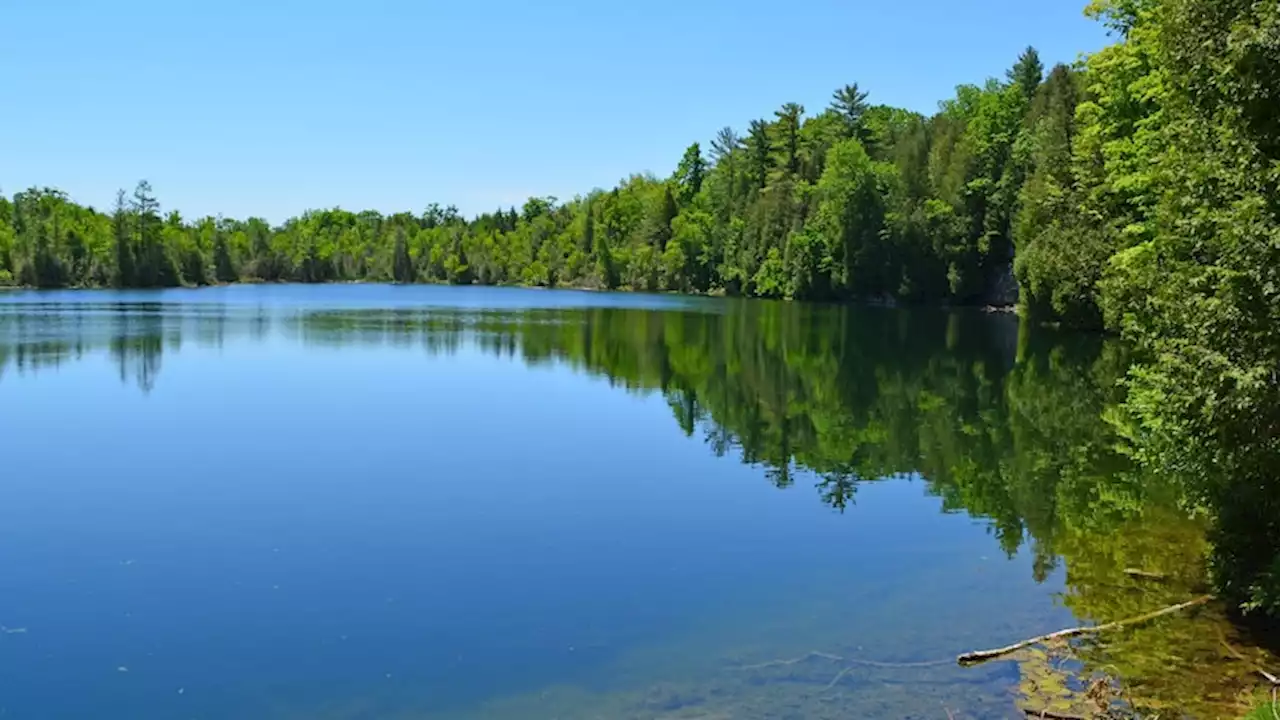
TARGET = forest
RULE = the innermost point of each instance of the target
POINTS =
(1135, 191)
(1045, 186)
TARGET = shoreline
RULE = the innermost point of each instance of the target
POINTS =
(888, 303)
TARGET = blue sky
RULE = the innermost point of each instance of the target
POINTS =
(270, 107)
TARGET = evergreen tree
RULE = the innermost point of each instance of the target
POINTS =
(126, 267)
(759, 153)
(725, 143)
(154, 261)
(724, 154)
(690, 172)
(850, 104)
(787, 146)
(1027, 73)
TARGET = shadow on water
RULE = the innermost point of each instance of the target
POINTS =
(1002, 422)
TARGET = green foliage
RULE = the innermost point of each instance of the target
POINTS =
(850, 218)
(921, 209)
(155, 245)
(7, 241)
(690, 173)
(786, 144)
(402, 265)
(1027, 73)
(224, 264)
(1267, 710)
(850, 105)
(1199, 293)
(53, 242)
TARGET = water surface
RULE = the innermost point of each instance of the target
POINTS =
(425, 502)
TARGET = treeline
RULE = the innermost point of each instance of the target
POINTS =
(857, 201)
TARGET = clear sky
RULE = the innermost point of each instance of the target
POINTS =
(270, 107)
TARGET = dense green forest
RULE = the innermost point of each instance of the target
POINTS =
(1137, 190)
(1052, 182)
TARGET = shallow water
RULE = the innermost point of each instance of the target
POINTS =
(426, 502)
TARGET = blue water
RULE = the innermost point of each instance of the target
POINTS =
(365, 501)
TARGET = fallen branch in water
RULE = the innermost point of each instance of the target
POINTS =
(1239, 656)
(850, 664)
(794, 660)
(1145, 574)
(836, 679)
(981, 656)
(849, 660)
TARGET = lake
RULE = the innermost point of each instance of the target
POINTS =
(349, 502)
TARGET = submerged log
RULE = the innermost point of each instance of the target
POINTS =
(981, 656)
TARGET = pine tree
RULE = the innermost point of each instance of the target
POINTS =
(788, 132)
(759, 151)
(724, 153)
(1027, 73)
(850, 104)
(690, 172)
(724, 144)
(126, 268)
(154, 264)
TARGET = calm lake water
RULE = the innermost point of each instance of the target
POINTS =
(350, 502)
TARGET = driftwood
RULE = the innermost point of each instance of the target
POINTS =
(1144, 574)
(981, 656)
